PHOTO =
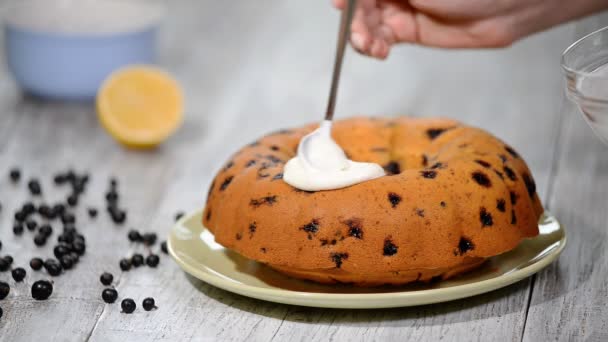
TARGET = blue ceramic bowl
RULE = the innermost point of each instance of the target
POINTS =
(65, 49)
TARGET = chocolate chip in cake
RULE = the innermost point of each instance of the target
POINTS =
(268, 200)
(252, 228)
(210, 188)
(483, 163)
(499, 174)
(419, 212)
(438, 165)
(228, 165)
(392, 168)
(325, 242)
(239, 236)
(281, 131)
(337, 258)
(481, 179)
(263, 250)
(530, 185)
(208, 216)
(429, 174)
(500, 205)
(278, 176)
(513, 217)
(503, 158)
(510, 173)
(485, 217)
(443, 204)
(250, 163)
(273, 159)
(394, 198)
(425, 160)
(263, 167)
(433, 133)
(274, 148)
(311, 227)
(354, 228)
(226, 182)
(465, 245)
(389, 248)
(511, 151)
(514, 197)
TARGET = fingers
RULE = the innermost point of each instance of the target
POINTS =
(360, 37)
(476, 34)
(339, 4)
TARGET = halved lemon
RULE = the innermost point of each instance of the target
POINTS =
(140, 106)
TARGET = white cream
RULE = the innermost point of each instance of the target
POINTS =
(322, 165)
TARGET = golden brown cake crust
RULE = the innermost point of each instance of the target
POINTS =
(456, 195)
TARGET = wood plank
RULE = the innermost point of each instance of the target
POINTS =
(569, 301)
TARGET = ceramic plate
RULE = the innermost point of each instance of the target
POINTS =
(195, 250)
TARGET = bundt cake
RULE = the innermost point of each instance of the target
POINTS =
(453, 196)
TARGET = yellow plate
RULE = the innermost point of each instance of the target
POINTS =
(195, 250)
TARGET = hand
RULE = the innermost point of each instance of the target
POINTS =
(379, 24)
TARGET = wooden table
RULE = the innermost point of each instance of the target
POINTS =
(252, 67)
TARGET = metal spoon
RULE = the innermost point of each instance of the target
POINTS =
(325, 129)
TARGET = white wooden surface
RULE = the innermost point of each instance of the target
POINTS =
(253, 67)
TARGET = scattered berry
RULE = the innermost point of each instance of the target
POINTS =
(163, 247)
(75, 258)
(67, 218)
(15, 175)
(18, 229)
(58, 209)
(40, 240)
(125, 264)
(53, 267)
(79, 247)
(45, 230)
(4, 265)
(28, 208)
(60, 250)
(34, 187)
(8, 259)
(36, 264)
(66, 236)
(31, 225)
(42, 290)
(128, 305)
(20, 216)
(92, 212)
(137, 260)
(4, 290)
(149, 239)
(110, 295)
(59, 179)
(106, 278)
(152, 260)
(18, 274)
(72, 200)
(179, 215)
(134, 235)
(148, 304)
(66, 262)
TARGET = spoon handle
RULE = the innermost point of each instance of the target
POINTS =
(345, 20)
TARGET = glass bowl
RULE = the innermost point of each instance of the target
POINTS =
(585, 64)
